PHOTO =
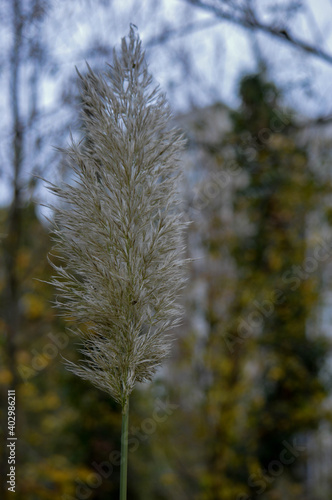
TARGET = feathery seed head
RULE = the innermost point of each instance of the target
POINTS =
(119, 229)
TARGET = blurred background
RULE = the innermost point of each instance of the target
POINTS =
(242, 409)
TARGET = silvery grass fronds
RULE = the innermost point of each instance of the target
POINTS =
(119, 227)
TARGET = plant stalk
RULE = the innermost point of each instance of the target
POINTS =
(124, 452)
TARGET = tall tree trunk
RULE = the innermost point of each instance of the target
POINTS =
(11, 245)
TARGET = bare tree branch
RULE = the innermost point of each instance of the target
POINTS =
(181, 31)
(247, 19)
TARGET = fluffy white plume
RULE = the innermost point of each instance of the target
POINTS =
(119, 228)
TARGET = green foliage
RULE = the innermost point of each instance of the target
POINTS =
(280, 396)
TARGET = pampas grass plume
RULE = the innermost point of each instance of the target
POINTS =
(119, 228)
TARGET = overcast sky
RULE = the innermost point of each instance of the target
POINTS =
(218, 55)
(197, 69)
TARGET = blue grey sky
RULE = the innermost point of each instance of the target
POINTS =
(197, 69)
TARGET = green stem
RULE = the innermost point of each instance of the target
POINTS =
(124, 452)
